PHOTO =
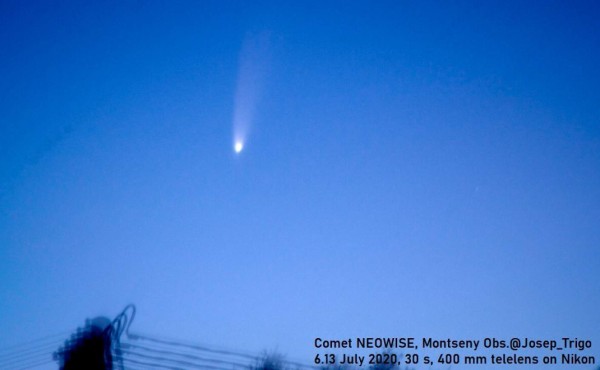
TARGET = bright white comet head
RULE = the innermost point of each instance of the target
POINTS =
(238, 146)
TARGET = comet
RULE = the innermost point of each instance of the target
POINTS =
(238, 146)
(251, 71)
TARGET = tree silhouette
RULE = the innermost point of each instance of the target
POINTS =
(89, 348)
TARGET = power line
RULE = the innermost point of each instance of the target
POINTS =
(46, 338)
(188, 356)
(193, 346)
(27, 352)
(20, 361)
(189, 363)
(31, 363)
(202, 348)
(147, 362)
(102, 343)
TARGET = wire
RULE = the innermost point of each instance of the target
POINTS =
(121, 323)
(184, 355)
(193, 346)
(167, 343)
(27, 352)
(30, 362)
(32, 343)
(188, 363)
(18, 361)
(40, 363)
(148, 363)
(148, 351)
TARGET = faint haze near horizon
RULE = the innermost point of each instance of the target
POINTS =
(419, 169)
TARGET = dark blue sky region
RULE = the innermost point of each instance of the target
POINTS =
(412, 169)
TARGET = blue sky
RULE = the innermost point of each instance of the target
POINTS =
(412, 168)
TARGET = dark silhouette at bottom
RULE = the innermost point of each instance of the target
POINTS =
(89, 348)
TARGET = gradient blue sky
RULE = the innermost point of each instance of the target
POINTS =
(413, 169)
